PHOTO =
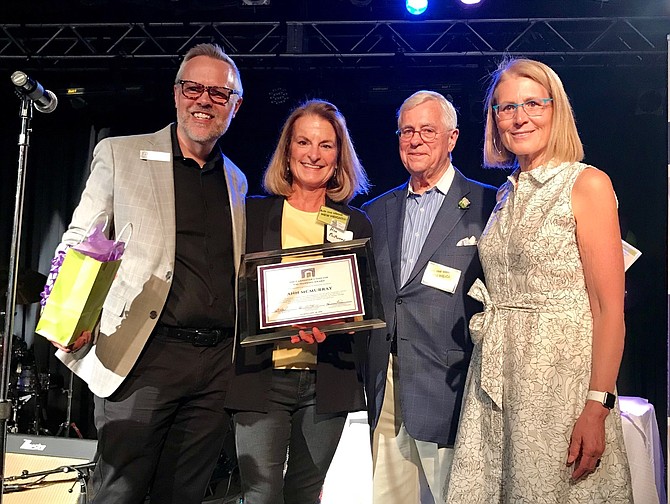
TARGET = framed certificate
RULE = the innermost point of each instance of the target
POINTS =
(332, 286)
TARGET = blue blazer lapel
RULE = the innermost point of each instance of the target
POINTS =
(395, 216)
(445, 221)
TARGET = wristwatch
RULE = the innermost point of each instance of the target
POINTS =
(607, 399)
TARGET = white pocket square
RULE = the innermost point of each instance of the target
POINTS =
(466, 242)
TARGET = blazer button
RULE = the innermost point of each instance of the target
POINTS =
(388, 337)
(153, 314)
(168, 275)
(398, 301)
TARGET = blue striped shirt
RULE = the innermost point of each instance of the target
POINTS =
(420, 212)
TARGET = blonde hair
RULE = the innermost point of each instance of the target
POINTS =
(564, 143)
(213, 51)
(349, 178)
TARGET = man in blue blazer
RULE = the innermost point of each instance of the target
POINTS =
(425, 234)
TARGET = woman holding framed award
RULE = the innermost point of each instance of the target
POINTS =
(293, 399)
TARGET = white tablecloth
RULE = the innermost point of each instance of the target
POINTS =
(643, 445)
(349, 479)
(350, 476)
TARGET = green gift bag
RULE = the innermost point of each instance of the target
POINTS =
(76, 300)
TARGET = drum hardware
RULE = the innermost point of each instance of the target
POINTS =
(64, 428)
(49, 381)
(26, 392)
(24, 388)
(18, 403)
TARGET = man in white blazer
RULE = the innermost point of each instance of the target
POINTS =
(159, 362)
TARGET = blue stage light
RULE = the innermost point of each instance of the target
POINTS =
(416, 7)
(470, 2)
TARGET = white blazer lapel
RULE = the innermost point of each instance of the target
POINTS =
(236, 183)
(162, 180)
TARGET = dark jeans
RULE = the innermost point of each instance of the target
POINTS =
(291, 424)
(162, 431)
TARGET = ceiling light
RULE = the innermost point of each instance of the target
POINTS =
(416, 7)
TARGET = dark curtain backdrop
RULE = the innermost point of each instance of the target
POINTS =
(620, 114)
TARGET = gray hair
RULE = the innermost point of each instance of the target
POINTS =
(211, 51)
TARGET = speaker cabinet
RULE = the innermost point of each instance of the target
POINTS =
(38, 454)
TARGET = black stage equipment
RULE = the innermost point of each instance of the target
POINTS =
(31, 93)
(45, 101)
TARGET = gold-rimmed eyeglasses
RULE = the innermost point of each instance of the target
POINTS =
(218, 94)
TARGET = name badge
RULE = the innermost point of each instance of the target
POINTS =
(441, 277)
(335, 235)
(150, 155)
(333, 218)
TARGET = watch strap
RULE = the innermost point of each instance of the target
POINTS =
(607, 399)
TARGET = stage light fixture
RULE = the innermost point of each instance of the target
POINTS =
(470, 2)
(256, 3)
(416, 7)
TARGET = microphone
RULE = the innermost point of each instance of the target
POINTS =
(43, 99)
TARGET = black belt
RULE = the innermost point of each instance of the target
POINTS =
(197, 337)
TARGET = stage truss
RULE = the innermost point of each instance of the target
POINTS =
(631, 41)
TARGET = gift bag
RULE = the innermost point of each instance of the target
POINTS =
(83, 280)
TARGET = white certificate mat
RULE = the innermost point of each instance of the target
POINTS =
(630, 255)
(309, 291)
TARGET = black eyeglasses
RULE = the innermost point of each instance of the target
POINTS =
(218, 94)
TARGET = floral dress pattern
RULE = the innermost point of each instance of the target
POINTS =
(530, 368)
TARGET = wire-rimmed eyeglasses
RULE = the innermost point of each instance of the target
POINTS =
(218, 94)
(533, 107)
(428, 135)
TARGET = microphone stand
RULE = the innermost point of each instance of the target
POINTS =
(82, 477)
(26, 114)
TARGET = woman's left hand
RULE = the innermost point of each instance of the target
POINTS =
(587, 443)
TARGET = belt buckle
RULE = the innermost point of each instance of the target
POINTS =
(203, 338)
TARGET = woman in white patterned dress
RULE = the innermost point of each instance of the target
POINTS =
(540, 423)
